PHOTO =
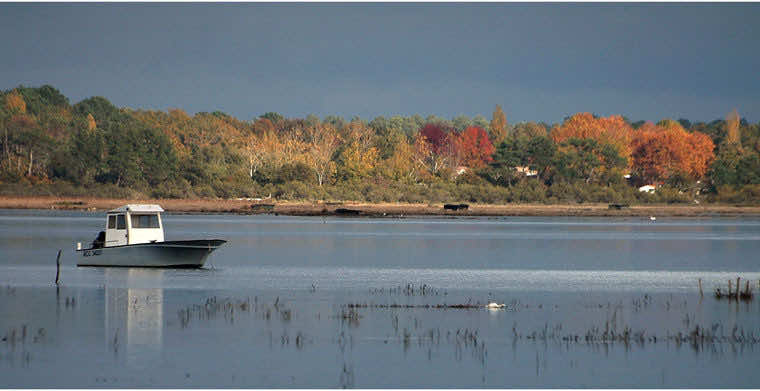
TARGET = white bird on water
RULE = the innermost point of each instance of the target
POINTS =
(495, 306)
(652, 218)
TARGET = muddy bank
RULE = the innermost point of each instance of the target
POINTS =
(245, 206)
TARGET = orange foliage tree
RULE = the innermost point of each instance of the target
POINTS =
(611, 130)
(666, 149)
(475, 147)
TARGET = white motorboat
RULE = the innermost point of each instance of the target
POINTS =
(134, 236)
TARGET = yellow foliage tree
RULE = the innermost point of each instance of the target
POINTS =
(15, 103)
(732, 128)
(356, 162)
(324, 141)
(498, 126)
(400, 166)
(91, 125)
(358, 132)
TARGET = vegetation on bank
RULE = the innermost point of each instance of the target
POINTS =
(50, 147)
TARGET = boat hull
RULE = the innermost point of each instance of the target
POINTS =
(172, 254)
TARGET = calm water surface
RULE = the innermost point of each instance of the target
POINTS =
(311, 302)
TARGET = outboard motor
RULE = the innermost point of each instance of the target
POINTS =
(100, 241)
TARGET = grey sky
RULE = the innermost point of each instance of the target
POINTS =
(541, 62)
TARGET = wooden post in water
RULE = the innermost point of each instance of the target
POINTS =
(700, 287)
(729, 289)
(738, 288)
(58, 267)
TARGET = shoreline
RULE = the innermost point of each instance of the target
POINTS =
(361, 209)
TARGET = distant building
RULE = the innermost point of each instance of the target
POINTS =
(526, 170)
(647, 188)
(460, 170)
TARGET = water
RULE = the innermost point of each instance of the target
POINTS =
(311, 302)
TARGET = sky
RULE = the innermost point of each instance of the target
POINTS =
(540, 62)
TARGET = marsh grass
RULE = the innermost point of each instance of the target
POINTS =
(737, 294)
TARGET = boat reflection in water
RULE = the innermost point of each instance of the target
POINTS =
(134, 315)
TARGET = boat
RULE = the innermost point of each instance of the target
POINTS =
(134, 237)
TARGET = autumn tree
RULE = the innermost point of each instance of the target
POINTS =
(26, 140)
(15, 106)
(401, 165)
(324, 141)
(612, 130)
(263, 125)
(442, 142)
(733, 137)
(261, 148)
(662, 151)
(357, 131)
(15, 103)
(498, 126)
(91, 124)
(475, 147)
(359, 156)
(25, 136)
(356, 162)
(426, 160)
(438, 136)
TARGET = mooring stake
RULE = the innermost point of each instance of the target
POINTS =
(58, 267)
(700, 288)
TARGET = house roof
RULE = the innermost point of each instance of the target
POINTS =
(138, 208)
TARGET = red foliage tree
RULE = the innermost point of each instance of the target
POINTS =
(475, 147)
(439, 137)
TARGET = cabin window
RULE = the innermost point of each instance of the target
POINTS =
(121, 222)
(145, 221)
(112, 222)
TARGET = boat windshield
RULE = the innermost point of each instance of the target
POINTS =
(145, 221)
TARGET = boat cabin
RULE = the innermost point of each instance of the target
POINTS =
(134, 224)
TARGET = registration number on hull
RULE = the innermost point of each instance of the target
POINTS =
(89, 253)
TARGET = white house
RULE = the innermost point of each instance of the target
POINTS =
(647, 188)
(526, 170)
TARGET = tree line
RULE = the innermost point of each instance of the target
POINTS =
(50, 146)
